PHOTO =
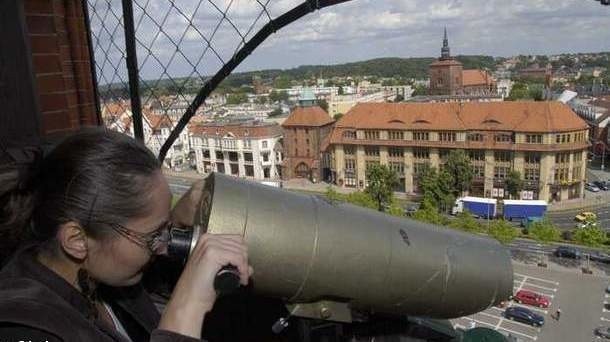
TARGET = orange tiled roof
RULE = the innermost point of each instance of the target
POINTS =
(238, 131)
(156, 121)
(445, 62)
(476, 77)
(308, 116)
(526, 116)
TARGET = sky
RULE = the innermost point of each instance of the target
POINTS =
(353, 31)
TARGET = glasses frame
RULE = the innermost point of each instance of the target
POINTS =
(150, 241)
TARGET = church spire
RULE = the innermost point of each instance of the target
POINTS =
(445, 54)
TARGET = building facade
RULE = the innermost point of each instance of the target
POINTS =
(306, 130)
(545, 141)
(247, 150)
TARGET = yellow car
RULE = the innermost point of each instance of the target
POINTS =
(585, 216)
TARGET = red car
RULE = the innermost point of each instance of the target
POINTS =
(531, 298)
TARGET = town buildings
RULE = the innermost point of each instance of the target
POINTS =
(306, 131)
(545, 141)
(250, 150)
(448, 78)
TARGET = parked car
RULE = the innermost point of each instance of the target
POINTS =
(591, 187)
(602, 185)
(524, 315)
(587, 224)
(567, 252)
(600, 257)
(531, 298)
(585, 216)
(603, 332)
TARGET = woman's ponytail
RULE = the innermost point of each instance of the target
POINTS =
(18, 174)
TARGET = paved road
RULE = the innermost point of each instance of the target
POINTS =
(565, 219)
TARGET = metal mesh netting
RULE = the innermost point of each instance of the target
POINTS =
(180, 45)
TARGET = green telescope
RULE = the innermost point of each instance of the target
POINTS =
(329, 260)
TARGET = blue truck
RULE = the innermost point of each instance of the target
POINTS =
(478, 206)
(523, 209)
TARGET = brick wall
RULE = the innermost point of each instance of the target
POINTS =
(62, 69)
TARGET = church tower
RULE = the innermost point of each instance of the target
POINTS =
(446, 73)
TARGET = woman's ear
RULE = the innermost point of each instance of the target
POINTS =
(73, 240)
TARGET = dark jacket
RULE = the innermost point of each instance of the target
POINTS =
(37, 304)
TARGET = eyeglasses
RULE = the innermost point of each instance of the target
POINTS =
(152, 241)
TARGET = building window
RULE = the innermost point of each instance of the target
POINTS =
(233, 156)
(350, 164)
(577, 157)
(421, 153)
(307, 141)
(562, 158)
(421, 136)
(503, 156)
(532, 158)
(220, 155)
(248, 157)
(531, 174)
(443, 154)
(561, 174)
(371, 135)
(533, 138)
(477, 155)
(349, 150)
(395, 152)
(368, 164)
(446, 136)
(247, 144)
(396, 135)
(264, 143)
(206, 154)
(249, 170)
(503, 137)
(397, 167)
(234, 169)
(501, 172)
(371, 151)
(474, 137)
(349, 134)
(478, 171)
(306, 131)
(576, 173)
(265, 157)
(420, 168)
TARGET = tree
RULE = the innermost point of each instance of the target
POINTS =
(591, 236)
(276, 96)
(466, 222)
(399, 98)
(420, 90)
(459, 168)
(544, 231)
(428, 213)
(435, 187)
(503, 231)
(262, 99)
(337, 116)
(381, 183)
(238, 98)
(323, 104)
(281, 82)
(514, 183)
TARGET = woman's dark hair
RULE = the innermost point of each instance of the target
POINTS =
(94, 177)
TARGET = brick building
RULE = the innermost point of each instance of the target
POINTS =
(545, 141)
(306, 131)
(447, 77)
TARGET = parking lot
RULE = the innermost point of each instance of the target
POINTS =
(494, 318)
(581, 298)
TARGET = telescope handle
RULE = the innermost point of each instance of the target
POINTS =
(227, 280)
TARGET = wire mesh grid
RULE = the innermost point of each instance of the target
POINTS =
(179, 45)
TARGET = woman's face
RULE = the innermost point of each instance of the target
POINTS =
(118, 261)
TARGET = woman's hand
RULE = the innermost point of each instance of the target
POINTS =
(194, 294)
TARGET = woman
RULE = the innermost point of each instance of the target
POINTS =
(91, 217)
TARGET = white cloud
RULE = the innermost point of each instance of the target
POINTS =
(361, 29)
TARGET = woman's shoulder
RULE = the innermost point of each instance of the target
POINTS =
(19, 332)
